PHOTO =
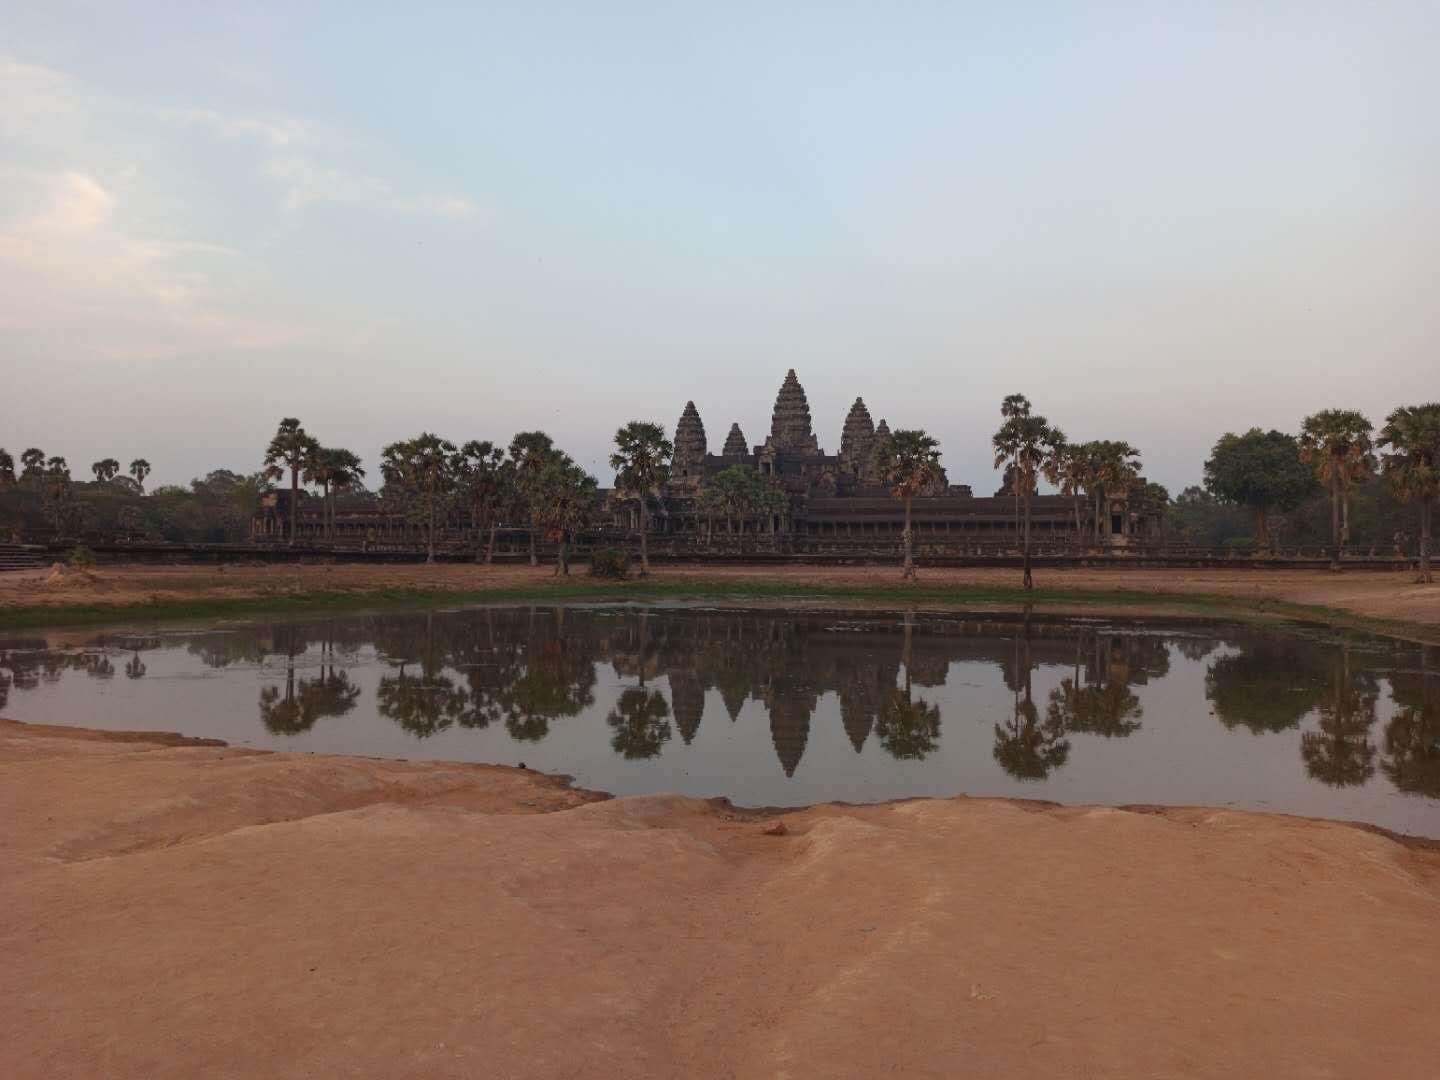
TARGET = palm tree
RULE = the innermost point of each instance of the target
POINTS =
(642, 464)
(105, 470)
(1117, 467)
(291, 448)
(1412, 433)
(7, 469)
(332, 468)
(486, 478)
(139, 469)
(912, 466)
(528, 450)
(32, 463)
(566, 495)
(1336, 443)
(345, 472)
(1030, 445)
(423, 471)
(1070, 471)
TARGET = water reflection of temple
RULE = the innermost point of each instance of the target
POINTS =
(524, 669)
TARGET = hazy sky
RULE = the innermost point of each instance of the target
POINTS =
(1159, 221)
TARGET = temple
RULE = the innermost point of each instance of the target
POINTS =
(794, 499)
(841, 500)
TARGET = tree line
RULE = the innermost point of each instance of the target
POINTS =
(1337, 454)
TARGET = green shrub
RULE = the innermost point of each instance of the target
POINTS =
(81, 557)
(610, 563)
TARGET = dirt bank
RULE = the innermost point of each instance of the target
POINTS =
(176, 911)
(1368, 595)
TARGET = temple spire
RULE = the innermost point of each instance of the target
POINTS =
(790, 422)
(690, 445)
(735, 444)
(857, 438)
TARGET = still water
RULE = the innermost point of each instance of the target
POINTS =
(782, 709)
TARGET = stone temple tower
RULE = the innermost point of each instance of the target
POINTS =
(689, 460)
(790, 423)
(735, 445)
(857, 439)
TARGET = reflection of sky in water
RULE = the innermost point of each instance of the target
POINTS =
(775, 709)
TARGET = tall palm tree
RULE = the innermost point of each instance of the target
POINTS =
(105, 470)
(566, 499)
(1117, 467)
(346, 470)
(1028, 444)
(529, 450)
(7, 469)
(1412, 434)
(913, 465)
(332, 468)
(642, 464)
(423, 470)
(291, 448)
(486, 479)
(139, 470)
(1069, 470)
(1336, 443)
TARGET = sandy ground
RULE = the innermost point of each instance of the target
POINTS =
(1383, 595)
(173, 910)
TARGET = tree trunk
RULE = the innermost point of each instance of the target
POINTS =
(908, 573)
(1029, 581)
(430, 537)
(1079, 536)
(1262, 533)
(562, 555)
(294, 501)
(534, 560)
(1425, 578)
(644, 537)
(490, 547)
(1335, 520)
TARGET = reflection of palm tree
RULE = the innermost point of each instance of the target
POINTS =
(281, 716)
(907, 730)
(1094, 710)
(1412, 751)
(135, 667)
(639, 720)
(1340, 753)
(1412, 738)
(1270, 685)
(1025, 746)
(332, 694)
(423, 704)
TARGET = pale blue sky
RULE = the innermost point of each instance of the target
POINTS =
(1158, 221)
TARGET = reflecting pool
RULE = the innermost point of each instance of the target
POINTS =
(778, 708)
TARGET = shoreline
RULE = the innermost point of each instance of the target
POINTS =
(720, 803)
(1374, 602)
(173, 909)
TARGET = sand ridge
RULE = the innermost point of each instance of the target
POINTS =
(170, 910)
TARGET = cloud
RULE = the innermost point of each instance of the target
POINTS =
(279, 131)
(76, 203)
(307, 182)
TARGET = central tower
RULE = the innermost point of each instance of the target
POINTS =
(790, 428)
